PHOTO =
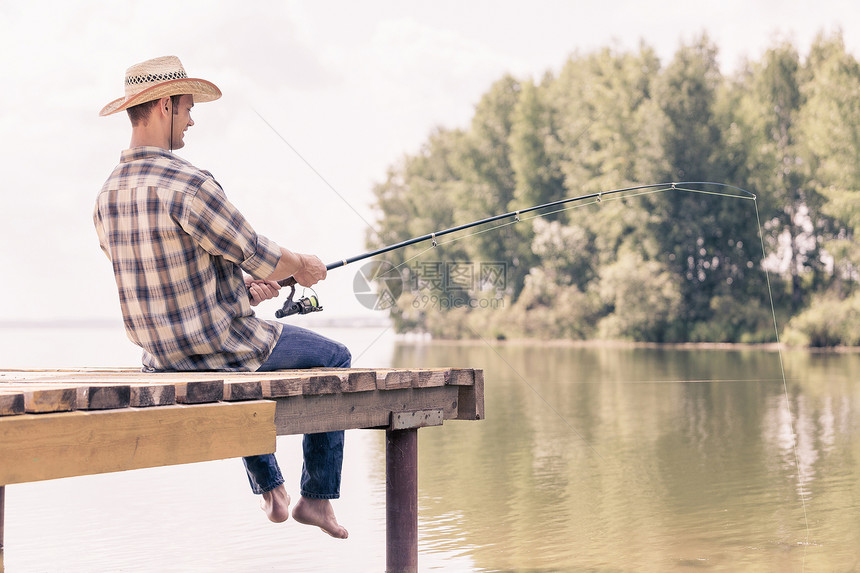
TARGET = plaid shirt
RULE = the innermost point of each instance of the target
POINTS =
(178, 248)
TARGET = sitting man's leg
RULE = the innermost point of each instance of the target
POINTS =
(266, 480)
(323, 453)
(323, 459)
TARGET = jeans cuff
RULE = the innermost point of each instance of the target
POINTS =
(260, 491)
(320, 495)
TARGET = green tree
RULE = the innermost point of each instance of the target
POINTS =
(537, 173)
(789, 204)
(678, 265)
(843, 205)
(419, 197)
(830, 126)
(709, 242)
(490, 182)
(604, 108)
(556, 301)
(643, 298)
(606, 125)
(830, 122)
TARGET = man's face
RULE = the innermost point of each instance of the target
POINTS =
(182, 120)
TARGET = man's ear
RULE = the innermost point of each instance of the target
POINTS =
(165, 106)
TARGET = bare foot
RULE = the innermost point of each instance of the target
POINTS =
(319, 512)
(276, 504)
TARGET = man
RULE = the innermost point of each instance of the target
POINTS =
(179, 249)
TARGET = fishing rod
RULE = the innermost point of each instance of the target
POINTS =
(306, 305)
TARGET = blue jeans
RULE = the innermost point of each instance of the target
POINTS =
(323, 453)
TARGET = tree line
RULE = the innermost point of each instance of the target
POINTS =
(661, 267)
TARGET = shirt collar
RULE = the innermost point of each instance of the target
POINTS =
(145, 152)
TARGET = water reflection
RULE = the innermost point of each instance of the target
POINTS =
(590, 459)
(643, 459)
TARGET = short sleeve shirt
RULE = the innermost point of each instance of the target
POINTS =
(178, 248)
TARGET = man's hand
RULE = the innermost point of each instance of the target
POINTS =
(260, 290)
(307, 270)
(312, 271)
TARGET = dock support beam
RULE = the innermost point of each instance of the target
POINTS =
(2, 518)
(401, 500)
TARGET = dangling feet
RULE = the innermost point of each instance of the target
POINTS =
(276, 504)
(319, 512)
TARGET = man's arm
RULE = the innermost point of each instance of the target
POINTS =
(306, 269)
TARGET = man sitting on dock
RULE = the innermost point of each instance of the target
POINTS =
(179, 248)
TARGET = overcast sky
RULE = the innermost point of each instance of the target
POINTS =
(351, 86)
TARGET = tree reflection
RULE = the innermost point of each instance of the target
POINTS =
(643, 458)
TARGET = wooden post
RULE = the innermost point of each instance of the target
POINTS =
(2, 517)
(401, 500)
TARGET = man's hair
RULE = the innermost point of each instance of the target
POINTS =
(140, 112)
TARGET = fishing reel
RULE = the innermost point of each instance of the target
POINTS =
(305, 305)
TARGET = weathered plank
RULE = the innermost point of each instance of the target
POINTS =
(428, 378)
(144, 396)
(11, 404)
(282, 387)
(352, 379)
(96, 394)
(471, 398)
(44, 391)
(103, 397)
(43, 398)
(416, 419)
(199, 391)
(328, 412)
(360, 381)
(321, 383)
(462, 377)
(141, 394)
(235, 390)
(394, 379)
(48, 446)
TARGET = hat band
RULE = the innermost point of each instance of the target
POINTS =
(153, 78)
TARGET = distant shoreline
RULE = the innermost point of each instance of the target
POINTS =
(111, 323)
(769, 346)
(62, 323)
(9, 324)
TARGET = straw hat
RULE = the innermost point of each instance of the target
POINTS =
(158, 78)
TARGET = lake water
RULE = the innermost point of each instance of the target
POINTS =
(592, 458)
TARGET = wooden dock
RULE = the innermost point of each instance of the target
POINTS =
(64, 423)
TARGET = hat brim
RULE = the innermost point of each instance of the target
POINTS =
(202, 91)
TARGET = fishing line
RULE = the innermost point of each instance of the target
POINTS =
(318, 174)
(358, 356)
(598, 198)
(654, 189)
(595, 200)
(784, 385)
(693, 381)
